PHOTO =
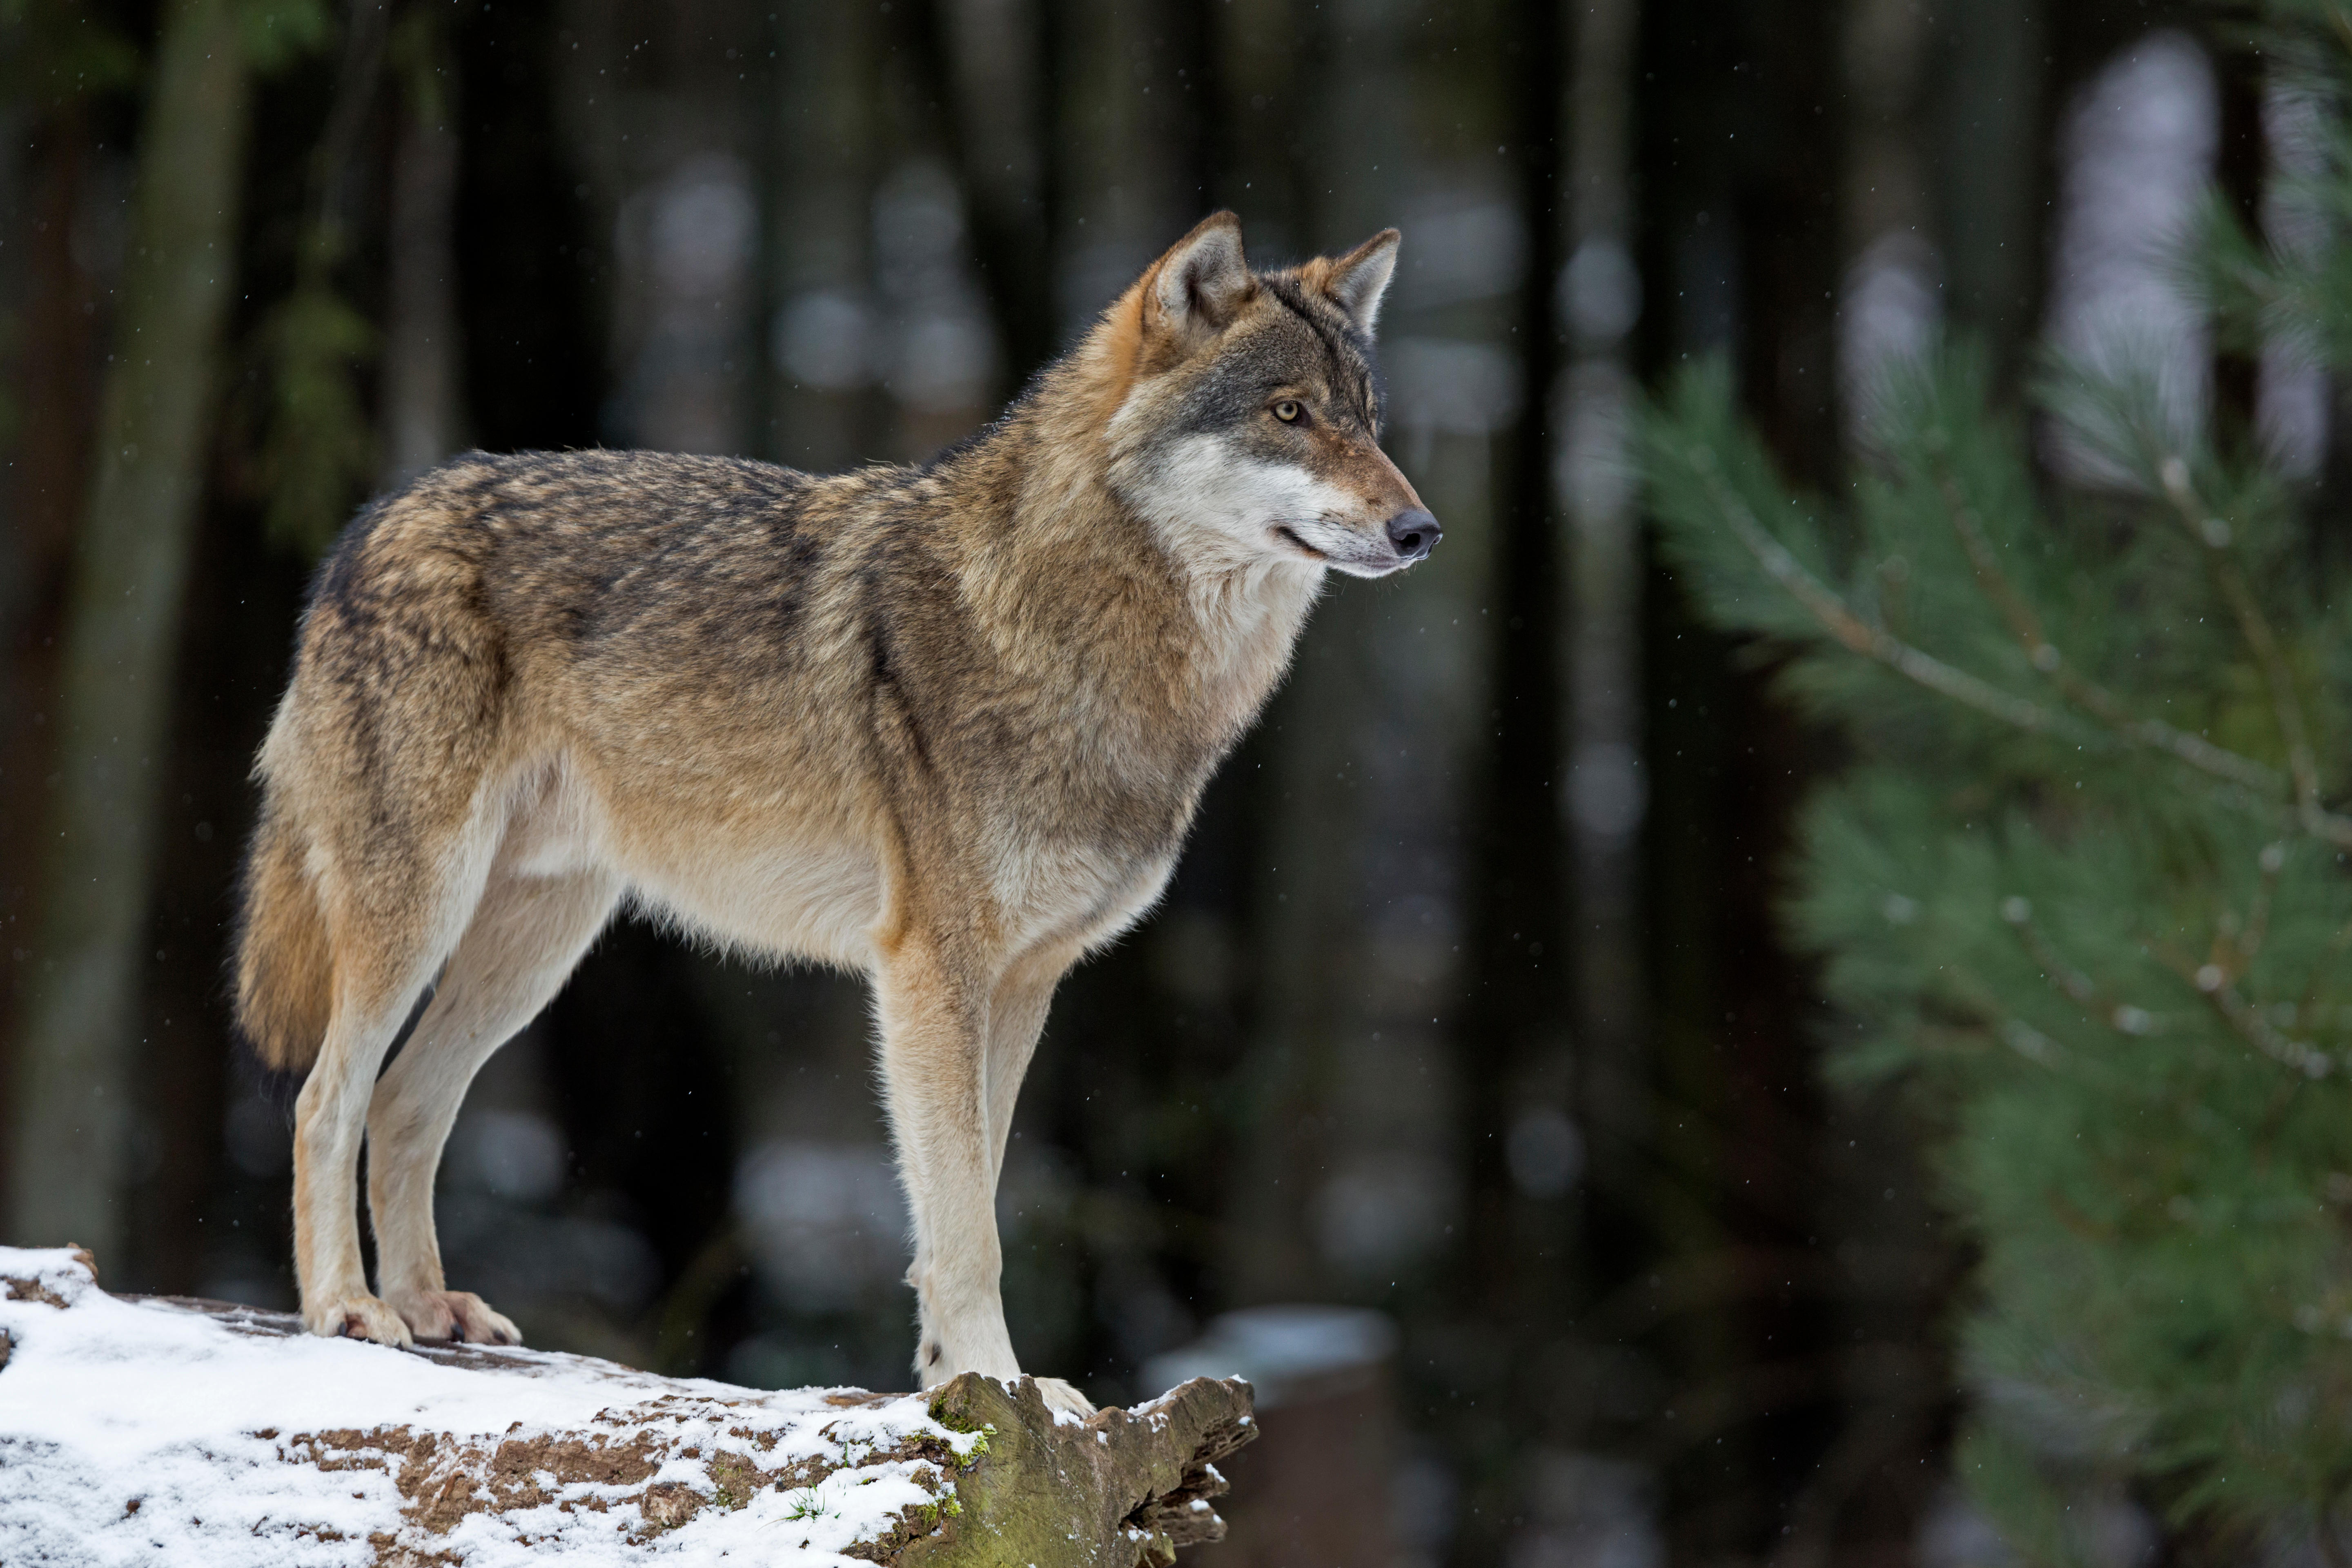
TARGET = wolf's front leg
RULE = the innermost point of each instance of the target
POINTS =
(1016, 1017)
(934, 1017)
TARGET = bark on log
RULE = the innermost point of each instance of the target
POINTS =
(130, 1426)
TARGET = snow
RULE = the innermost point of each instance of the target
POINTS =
(152, 1433)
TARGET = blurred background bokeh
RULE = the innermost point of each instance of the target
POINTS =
(1467, 1027)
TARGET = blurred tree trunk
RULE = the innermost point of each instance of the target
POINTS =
(1194, 116)
(829, 411)
(1515, 897)
(1605, 798)
(1510, 1288)
(1742, 139)
(1864, 1499)
(1890, 300)
(539, 257)
(55, 371)
(242, 598)
(1995, 177)
(422, 403)
(1267, 57)
(985, 67)
(1787, 215)
(1785, 1357)
(1306, 921)
(72, 1101)
(2238, 170)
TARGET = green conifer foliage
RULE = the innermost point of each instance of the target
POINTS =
(2086, 887)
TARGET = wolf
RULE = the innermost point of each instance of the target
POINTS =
(944, 726)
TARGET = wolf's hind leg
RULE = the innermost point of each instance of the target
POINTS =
(382, 957)
(527, 935)
(329, 1115)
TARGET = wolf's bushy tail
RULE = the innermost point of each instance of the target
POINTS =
(285, 965)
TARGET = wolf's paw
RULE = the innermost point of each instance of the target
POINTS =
(358, 1317)
(1060, 1395)
(459, 1315)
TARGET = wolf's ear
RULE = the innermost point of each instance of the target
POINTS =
(1202, 280)
(1358, 280)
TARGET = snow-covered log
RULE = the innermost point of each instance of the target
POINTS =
(155, 1430)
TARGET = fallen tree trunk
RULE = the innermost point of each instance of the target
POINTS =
(212, 1433)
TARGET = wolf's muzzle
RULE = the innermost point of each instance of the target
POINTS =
(1413, 533)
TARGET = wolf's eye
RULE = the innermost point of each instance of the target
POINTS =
(1288, 411)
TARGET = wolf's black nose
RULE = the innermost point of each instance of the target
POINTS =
(1413, 533)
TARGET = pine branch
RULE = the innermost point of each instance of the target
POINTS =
(2337, 945)
(2245, 1018)
(2271, 862)
(2046, 658)
(2213, 532)
(1874, 642)
(1839, 620)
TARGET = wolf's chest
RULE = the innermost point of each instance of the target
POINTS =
(1066, 890)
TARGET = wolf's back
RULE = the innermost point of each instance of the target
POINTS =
(478, 586)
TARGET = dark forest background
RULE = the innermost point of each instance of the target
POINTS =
(1469, 1005)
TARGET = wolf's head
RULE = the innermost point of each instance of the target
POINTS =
(1248, 428)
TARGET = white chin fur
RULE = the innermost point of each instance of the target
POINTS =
(1213, 501)
(1341, 549)
(1369, 568)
